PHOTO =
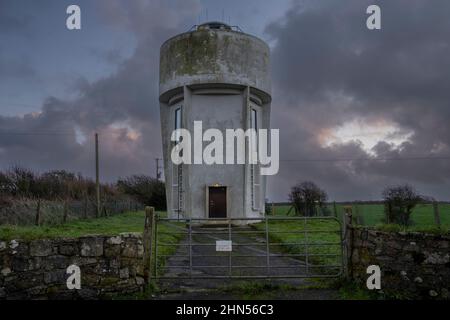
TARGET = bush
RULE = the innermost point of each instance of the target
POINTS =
(399, 202)
(52, 185)
(268, 207)
(307, 197)
(145, 189)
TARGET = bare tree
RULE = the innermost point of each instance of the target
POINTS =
(307, 197)
(52, 185)
(399, 202)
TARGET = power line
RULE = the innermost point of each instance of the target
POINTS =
(38, 133)
(365, 159)
(416, 158)
(53, 133)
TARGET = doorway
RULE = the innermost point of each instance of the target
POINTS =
(217, 203)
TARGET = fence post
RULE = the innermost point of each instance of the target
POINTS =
(147, 241)
(65, 211)
(85, 214)
(346, 239)
(38, 220)
(437, 218)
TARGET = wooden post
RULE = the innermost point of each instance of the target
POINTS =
(85, 213)
(38, 220)
(437, 217)
(147, 241)
(97, 177)
(347, 239)
(105, 212)
(65, 211)
(348, 211)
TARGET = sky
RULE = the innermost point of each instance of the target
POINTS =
(358, 110)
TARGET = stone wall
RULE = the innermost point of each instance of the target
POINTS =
(413, 265)
(37, 269)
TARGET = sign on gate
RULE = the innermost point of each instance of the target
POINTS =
(224, 245)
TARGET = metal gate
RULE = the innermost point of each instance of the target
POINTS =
(271, 247)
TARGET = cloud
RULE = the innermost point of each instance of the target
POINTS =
(122, 107)
(329, 71)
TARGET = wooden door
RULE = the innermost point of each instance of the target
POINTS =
(217, 202)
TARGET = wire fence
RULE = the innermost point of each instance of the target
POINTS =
(424, 215)
(28, 212)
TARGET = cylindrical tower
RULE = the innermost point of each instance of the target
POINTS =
(218, 76)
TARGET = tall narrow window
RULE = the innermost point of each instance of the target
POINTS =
(177, 171)
(254, 168)
(254, 119)
(178, 121)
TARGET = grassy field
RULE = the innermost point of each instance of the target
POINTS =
(289, 232)
(127, 222)
(114, 225)
(322, 237)
(373, 215)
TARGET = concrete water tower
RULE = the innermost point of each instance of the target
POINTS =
(220, 76)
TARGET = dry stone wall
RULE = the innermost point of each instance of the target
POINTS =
(37, 269)
(413, 265)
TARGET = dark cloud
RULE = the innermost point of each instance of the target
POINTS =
(123, 107)
(329, 69)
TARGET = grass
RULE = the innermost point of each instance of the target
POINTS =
(372, 215)
(350, 290)
(287, 232)
(292, 232)
(292, 236)
(256, 290)
(108, 226)
(127, 222)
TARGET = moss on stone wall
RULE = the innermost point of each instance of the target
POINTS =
(413, 265)
(36, 269)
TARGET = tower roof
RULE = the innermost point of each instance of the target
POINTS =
(214, 25)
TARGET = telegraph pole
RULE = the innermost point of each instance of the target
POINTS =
(97, 177)
(158, 171)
